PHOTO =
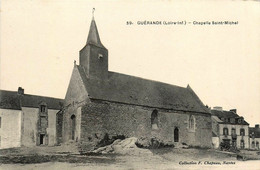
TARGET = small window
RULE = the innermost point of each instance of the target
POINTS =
(191, 122)
(242, 132)
(225, 131)
(43, 108)
(100, 56)
(257, 145)
(154, 119)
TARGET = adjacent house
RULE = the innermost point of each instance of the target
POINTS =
(103, 104)
(29, 120)
(254, 133)
(229, 127)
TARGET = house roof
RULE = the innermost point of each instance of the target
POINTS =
(255, 131)
(226, 115)
(9, 100)
(134, 90)
(34, 101)
(217, 119)
(13, 100)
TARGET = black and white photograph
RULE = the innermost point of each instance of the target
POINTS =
(161, 84)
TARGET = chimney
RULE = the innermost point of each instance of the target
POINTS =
(217, 108)
(20, 91)
(257, 126)
(233, 110)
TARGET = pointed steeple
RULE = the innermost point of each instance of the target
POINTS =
(93, 56)
(93, 36)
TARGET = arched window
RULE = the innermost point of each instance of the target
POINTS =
(225, 131)
(242, 132)
(191, 122)
(73, 126)
(253, 144)
(242, 144)
(154, 119)
(176, 135)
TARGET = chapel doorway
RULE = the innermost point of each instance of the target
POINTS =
(73, 126)
(42, 139)
(176, 135)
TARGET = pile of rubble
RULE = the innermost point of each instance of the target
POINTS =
(126, 146)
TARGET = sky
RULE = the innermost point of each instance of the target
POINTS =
(40, 39)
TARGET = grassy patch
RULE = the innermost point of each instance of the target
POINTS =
(33, 159)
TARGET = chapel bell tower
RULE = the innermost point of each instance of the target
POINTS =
(94, 56)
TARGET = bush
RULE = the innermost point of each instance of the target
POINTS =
(152, 143)
(107, 141)
(224, 146)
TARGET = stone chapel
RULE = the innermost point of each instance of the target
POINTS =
(101, 103)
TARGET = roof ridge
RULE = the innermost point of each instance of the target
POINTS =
(31, 94)
(196, 97)
(43, 96)
(8, 91)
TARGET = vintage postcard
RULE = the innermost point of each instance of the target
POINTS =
(129, 84)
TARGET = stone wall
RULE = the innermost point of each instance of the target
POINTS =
(67, 129)
(99, 118)
(76, 97)
(10, 130)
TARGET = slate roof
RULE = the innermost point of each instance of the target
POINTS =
(93, 36)
(9, 100)
(34, 101)
(217, 119)
(227, 114)
(255, 131)
(134, 90)
(224, 114)
(137, 91)
(13, 100)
